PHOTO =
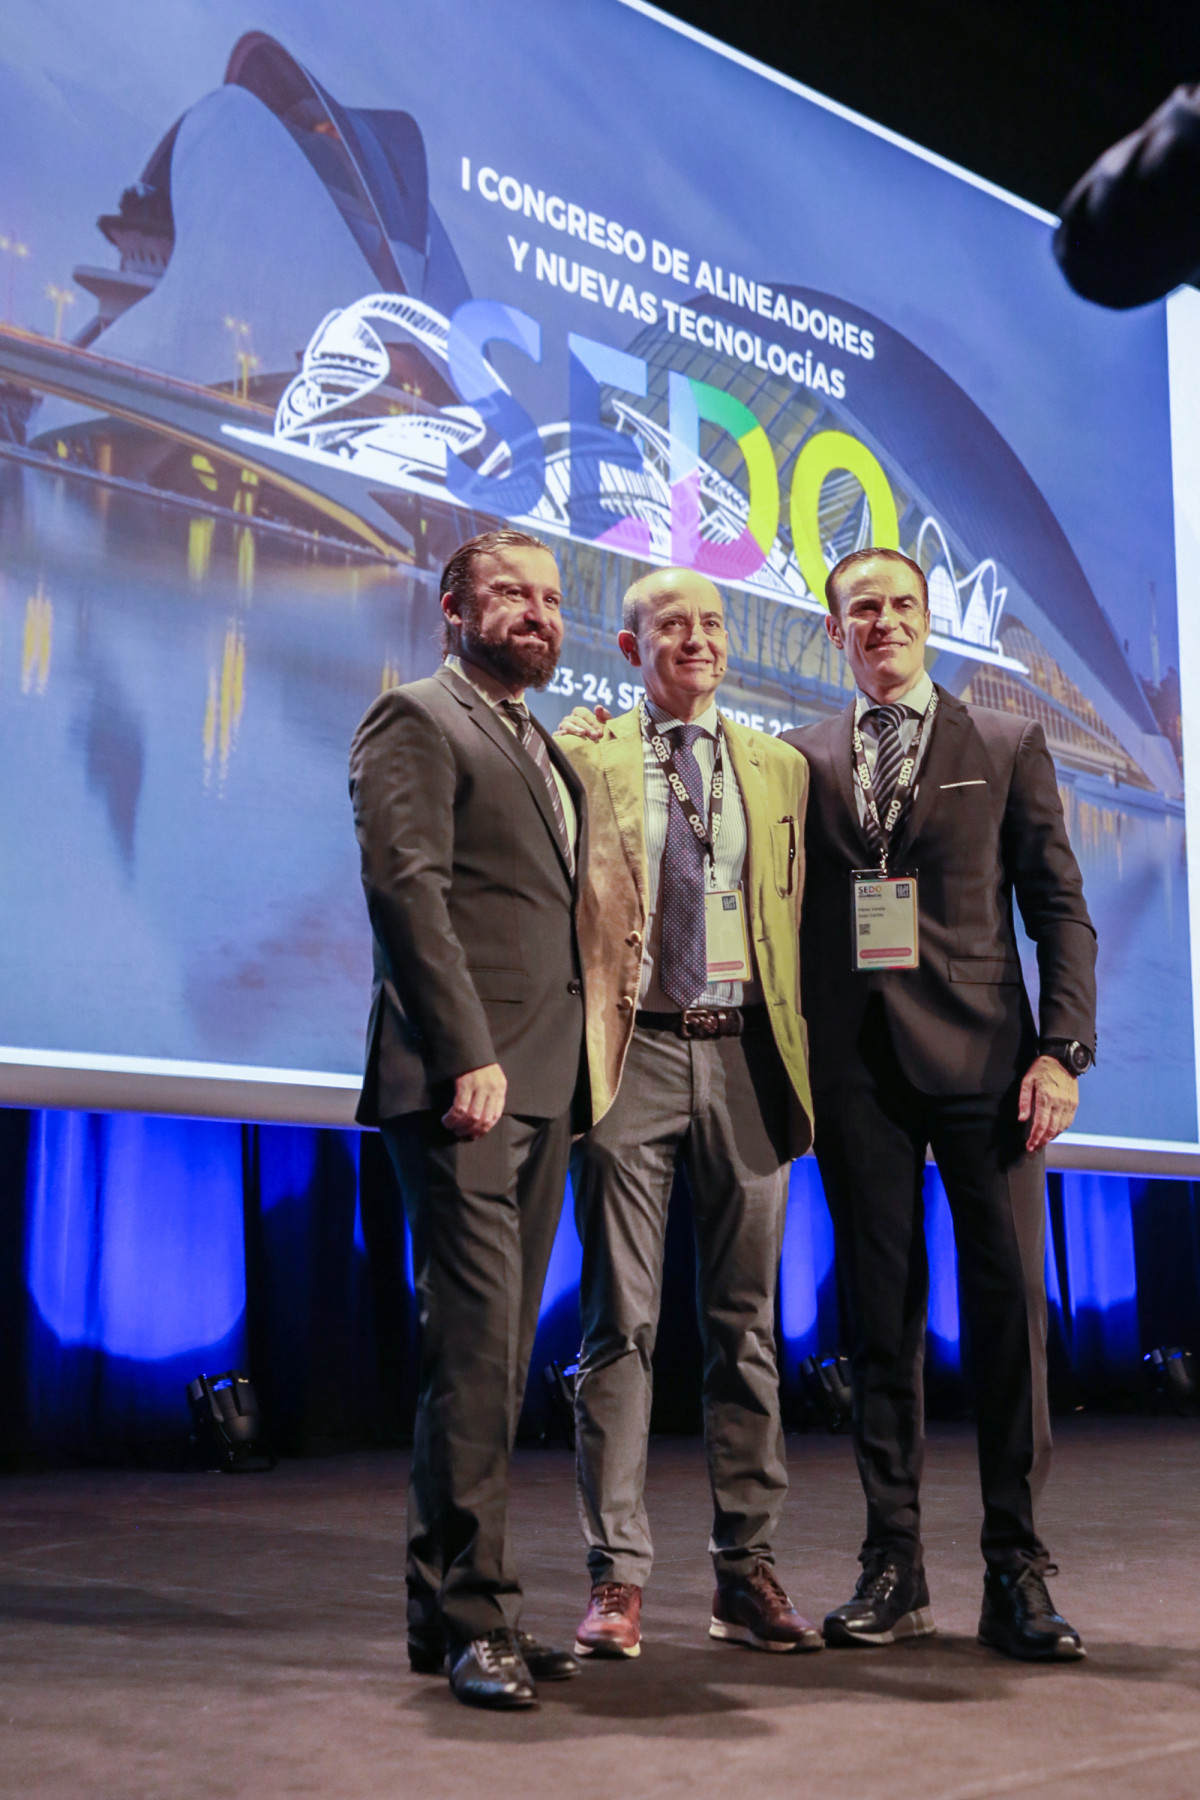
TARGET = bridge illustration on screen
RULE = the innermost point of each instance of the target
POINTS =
(327, 410)
(399, 435)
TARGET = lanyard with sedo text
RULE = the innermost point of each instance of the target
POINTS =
(707, 834)
(880, 830)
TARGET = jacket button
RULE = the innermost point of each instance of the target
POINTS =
(634, 940)
(625, 1003)
(574, 987)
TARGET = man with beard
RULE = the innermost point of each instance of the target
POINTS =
(471, 826)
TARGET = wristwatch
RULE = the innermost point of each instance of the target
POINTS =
(1075, 1057)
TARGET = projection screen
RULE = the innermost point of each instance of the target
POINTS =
(296, 297)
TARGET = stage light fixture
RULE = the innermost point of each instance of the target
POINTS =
(227, 1424)
(1173, 1373)
(560, 1392)
(827, 1388)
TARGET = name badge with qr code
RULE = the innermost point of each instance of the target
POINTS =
(725, 929)
(884, 920)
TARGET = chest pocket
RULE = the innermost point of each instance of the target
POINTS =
(785, 846)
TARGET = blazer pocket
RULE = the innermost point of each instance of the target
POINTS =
(500, 984)
(997, 971)
(784, 847)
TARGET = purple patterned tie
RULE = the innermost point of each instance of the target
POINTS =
(683, 972)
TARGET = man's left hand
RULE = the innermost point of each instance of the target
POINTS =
(1049, 1097)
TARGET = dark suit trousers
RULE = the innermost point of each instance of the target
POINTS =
(483, 1217)
(872, 1130)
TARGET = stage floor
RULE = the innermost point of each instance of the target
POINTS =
(180, 1637)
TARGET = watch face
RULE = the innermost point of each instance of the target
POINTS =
(1079, 1057)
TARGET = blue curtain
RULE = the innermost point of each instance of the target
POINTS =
(137, 1252)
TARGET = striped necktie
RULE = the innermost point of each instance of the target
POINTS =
(532, 741)
(889, 753)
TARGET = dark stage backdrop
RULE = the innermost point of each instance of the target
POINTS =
(137, 1252)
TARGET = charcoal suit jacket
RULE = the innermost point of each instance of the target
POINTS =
(472, 906)
(985, 827)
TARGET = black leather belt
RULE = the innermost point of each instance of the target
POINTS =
(699, 1021)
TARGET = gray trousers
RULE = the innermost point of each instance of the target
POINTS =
(719, 1107)
(483, 1217)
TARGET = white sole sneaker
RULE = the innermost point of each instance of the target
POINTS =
(742, 1634)
(918, 1623)
(608, 1652)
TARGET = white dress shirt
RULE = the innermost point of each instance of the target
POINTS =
(728, 863)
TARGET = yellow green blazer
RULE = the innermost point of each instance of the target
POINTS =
(612, 913)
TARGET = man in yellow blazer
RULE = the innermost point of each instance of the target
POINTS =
(688, 928)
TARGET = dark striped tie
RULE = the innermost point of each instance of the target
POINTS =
(889, 754)
(532, 741)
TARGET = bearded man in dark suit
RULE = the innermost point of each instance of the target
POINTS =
(472, 830)
(924, 1037)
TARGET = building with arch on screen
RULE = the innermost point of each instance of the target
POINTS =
(272, 171)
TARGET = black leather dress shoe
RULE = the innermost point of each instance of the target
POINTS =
(890, 1602)
(427, 1655)
(490, 1671)
(1019, 1619)
(426, 1650)
(543, 1661)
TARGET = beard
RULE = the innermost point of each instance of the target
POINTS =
(527, 664)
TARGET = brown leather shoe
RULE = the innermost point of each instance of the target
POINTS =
(753, 1609)
(612, 1624)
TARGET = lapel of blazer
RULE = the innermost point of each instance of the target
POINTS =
(578, 795)
(499, 734)
(621, 758)
(942, 758)
(748, 771)
(841, 755)
(843, 758)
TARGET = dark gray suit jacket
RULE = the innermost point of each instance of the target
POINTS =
(471, 903)
(961, 1023)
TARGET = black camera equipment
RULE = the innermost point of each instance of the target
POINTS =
(560, 1391)
(227, 1425)
(827, 1389)
(1173, 1373)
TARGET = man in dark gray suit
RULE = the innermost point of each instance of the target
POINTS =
(471, 827)
(930, 1041)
